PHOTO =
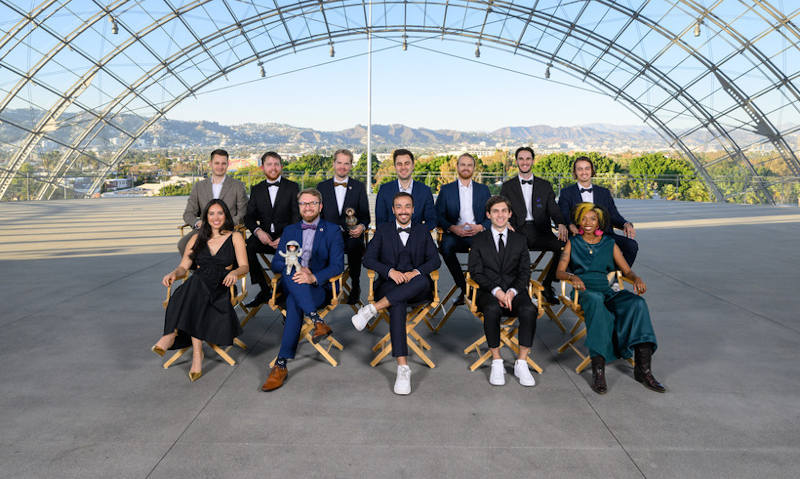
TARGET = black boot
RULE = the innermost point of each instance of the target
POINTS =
(599, 375)
(641, 371)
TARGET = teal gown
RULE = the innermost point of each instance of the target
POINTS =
(615, 321)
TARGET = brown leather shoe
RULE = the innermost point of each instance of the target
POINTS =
(321, 331)
(275, 379)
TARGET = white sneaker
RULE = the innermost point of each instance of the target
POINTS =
(362, 317)
(498, 375)
(522, 372)
(402, 385)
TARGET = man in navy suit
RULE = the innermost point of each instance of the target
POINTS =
(460, 206)
(404, 255)
(424, 212)
(338, 195)
(583, 171)
(322, 258)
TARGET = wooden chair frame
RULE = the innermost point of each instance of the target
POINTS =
(308, 326)
(508, 326)
(548, 310)
(417, 314)
(578, 330)
(447, 310)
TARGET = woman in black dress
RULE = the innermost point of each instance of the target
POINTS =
(200, 309)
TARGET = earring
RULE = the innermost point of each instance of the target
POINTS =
(598, 232)
(580, 231)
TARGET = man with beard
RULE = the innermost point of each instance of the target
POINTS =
(424, 212)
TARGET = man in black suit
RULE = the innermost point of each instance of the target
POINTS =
(499, 262)
(338, 194)
(272, 207)
(584, 191)
(533, 204)
(404, 256)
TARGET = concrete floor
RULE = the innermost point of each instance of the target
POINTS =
(82, 395)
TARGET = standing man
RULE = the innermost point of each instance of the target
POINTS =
(583, 171)
(272, 207)
(533, 204)
(338, 194)
(218, 186)
(425, 211)
(404, 255)
(500, 264)
(306, 289)
(460, 207)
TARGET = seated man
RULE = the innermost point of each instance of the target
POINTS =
(404, 255)
(272, 206)
(218, 186)
(500, 264)
(322, 258)
(584, 191)
(424, 211)
(460, 206)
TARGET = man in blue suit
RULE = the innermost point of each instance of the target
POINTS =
(424, 210)
(583, 171)
(460, 206)
(404, 255)
(322, 258)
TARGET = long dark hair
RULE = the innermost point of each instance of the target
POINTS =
(205, 229)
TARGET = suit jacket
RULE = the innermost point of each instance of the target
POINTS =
(543, 204)
(424, 209)
(487, 269)
(383, 251)
(448, 204)
(570, 196)
(327, 253)
(233, 193)
(261, 213)
(355, 197)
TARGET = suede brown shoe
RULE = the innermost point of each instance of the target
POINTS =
(275, 379)
(321, 331)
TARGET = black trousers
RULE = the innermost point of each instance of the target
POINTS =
(400, 296)
(544, 241)
(521, 307)
(255, 246)
(627, 246)
(452, 244)
(354, 249)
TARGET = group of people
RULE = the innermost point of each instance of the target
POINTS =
(310, 232)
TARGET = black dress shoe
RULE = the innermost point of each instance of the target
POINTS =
(599, 375)
(261, 298)
(460, 299)
(549, 296)
(642, 372)
(355, 296)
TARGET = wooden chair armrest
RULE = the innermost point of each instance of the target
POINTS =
(169, 288)
(435, 278)
(183, 227)
(439, 234)
(535, 289)
(234, 298)
(370, 294)
(564, 289)
(336, 282)
(472, 294)
(273, 300)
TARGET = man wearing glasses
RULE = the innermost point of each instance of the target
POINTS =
(306, 288)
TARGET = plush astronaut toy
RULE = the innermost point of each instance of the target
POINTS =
(292, 256)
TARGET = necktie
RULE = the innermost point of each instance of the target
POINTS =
(586, 190)
(272, 184)
(404, 230)
(501, 246)
(527, 182)
(306, 226)
(342, 184)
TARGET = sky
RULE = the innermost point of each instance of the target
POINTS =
(417, 88)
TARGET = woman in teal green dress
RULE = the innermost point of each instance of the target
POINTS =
(617, 322)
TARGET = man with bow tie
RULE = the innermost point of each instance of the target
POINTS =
(584, 191)
(533, 204)
(308, 289)
(404, 255)
(338, 194)
(272, 207)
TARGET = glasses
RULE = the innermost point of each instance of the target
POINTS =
(302, 204)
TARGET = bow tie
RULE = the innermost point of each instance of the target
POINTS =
(586, 190)
(272, 184)
(526, 182)
(342, 184)
(306, 226)
(404, 230)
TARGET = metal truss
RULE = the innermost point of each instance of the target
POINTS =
(734, 90)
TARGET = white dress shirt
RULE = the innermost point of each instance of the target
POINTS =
(273, 193)
(403, 236)
(586, 196)
(496, 235)
(527, 194)
(405, 190)
(216, 188)
(465, 212)
(340, 193)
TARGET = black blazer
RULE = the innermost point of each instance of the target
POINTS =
(383, 251)
(571, 196)
(261, 213)
(486, 269)
(543, 205)
(356, 198)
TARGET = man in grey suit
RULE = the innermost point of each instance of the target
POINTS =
(218, 186)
